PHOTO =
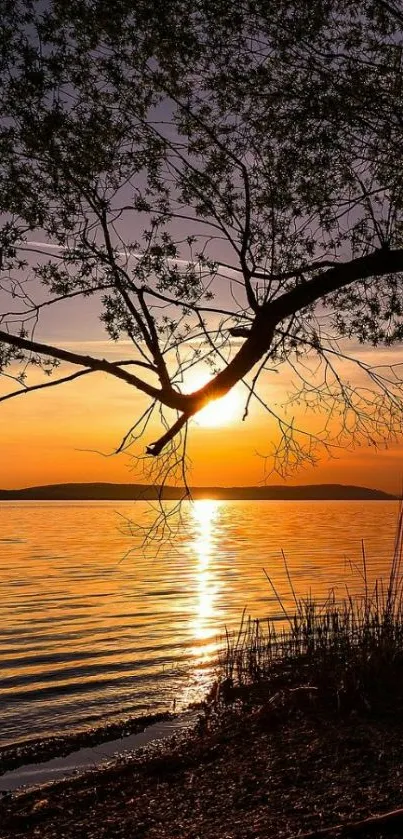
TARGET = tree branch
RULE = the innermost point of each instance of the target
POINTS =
(378, 264)
(398, 15)
(100, 364)
(258, 338)
(306, 268)
(156, 448)
(52, 383)
(372, 823)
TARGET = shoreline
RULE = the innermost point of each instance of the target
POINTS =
(248, 774)
(16, 755)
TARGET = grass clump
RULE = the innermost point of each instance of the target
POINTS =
(343, 654)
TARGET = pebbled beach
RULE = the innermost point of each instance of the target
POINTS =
(247, 773)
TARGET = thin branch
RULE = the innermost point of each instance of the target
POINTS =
(41, 386)
(87, 361)
(36, 307)
(156, 448)
(372, 823)
(398, 15)
(306, 268)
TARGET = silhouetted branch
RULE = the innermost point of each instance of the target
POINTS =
(391, 9)
(223, 152)
(79, 359)
(156, 448)
(41, 386)
(380, 263)
(353, 828)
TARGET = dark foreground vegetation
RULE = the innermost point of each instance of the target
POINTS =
(302, 735)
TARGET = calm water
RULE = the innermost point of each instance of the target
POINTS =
(90, 632)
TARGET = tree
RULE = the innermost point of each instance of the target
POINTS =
(225, 183)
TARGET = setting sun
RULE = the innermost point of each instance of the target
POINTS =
(222, 411)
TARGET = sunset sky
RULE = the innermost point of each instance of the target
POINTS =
(63, 434)
(69, 433)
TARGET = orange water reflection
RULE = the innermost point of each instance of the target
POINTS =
(89, 631)
(205, 515)
(205, 584)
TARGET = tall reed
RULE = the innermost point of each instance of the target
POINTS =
(350, 650)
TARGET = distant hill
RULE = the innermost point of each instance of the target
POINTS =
(142, 492)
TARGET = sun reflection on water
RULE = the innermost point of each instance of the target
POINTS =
(203, 626)
(205, 514)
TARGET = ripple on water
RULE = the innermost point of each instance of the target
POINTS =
(87, 630)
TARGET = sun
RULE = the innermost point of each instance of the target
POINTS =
(222, 411)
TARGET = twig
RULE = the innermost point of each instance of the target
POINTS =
(346, 828)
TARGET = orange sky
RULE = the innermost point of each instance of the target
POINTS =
(63, 434)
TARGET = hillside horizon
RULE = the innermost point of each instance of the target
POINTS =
(104, 491)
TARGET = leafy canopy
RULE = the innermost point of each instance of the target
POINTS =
(225, 183)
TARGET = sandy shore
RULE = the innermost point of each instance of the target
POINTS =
(250, 774)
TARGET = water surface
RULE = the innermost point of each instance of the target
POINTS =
(93, 626)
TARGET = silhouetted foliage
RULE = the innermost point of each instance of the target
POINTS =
(225, 182)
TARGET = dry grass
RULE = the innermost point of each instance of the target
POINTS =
(350, 651)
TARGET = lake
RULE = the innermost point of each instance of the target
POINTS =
(95, 626)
